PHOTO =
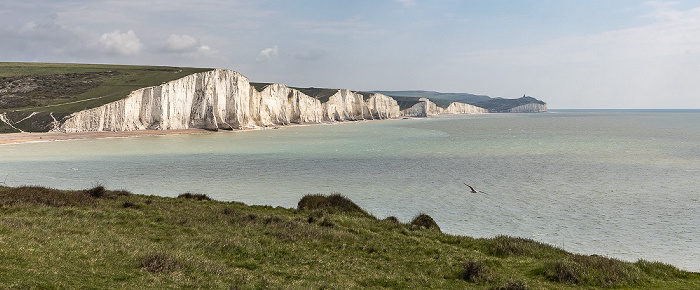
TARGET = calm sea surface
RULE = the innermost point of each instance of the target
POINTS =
(619, 183)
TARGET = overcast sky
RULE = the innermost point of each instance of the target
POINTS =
(569, 53)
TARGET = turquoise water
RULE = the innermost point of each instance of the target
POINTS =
(617, 183)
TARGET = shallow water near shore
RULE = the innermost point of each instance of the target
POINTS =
(617, 183)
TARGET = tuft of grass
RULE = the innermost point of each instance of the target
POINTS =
(512, 285)
(425, 221)
(592, 270)
(504, 246)
(326, 222)
(129, 204)
(660, 270)
(159, 263)
(476, 272)
(334, 203)
(195, 196)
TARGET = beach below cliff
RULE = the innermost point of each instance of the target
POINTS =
(25, 137)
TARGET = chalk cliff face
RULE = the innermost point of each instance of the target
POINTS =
(224, 99)
(529, 108)
(425, 108)
(346, 105)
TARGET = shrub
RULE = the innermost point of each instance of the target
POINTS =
(476, 271)
(97, 191)
(392, 219)
(159, 263)
(195, 196)
(425, 221)
(334, 203)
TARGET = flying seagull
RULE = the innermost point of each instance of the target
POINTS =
(472, 189)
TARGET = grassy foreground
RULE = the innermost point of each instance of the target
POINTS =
(97, 238)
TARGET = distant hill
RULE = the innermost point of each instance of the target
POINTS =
(486, 102)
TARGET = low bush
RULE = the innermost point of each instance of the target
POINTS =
(159, 263)
(476, 271)
(392, 219)
(425, 221)
(97, 191)
(334, 203)
(195, 196)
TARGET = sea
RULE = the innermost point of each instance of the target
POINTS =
(617, 183)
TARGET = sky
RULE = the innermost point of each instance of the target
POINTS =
(593, 54)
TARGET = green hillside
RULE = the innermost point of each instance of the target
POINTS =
(101, 239)
(62, 88)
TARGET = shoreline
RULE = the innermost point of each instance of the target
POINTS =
(34, 137)
(27, 137)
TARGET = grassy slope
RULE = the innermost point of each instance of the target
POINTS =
(106, 88)
(69, 239)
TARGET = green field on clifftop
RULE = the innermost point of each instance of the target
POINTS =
(63, 88)
(103, 239)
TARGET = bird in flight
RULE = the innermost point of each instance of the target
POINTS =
(472, 189)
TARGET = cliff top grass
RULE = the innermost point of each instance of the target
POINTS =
(67, 87)
(98, 238)
(63, 88)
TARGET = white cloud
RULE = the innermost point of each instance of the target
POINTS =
(407, 3)
(180, 43)
(268, 53)
(120, 43)
(203, 48)
(184, 45)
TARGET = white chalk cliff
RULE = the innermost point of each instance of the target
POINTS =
(224, 99)
(425, 108)
(529, 108)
